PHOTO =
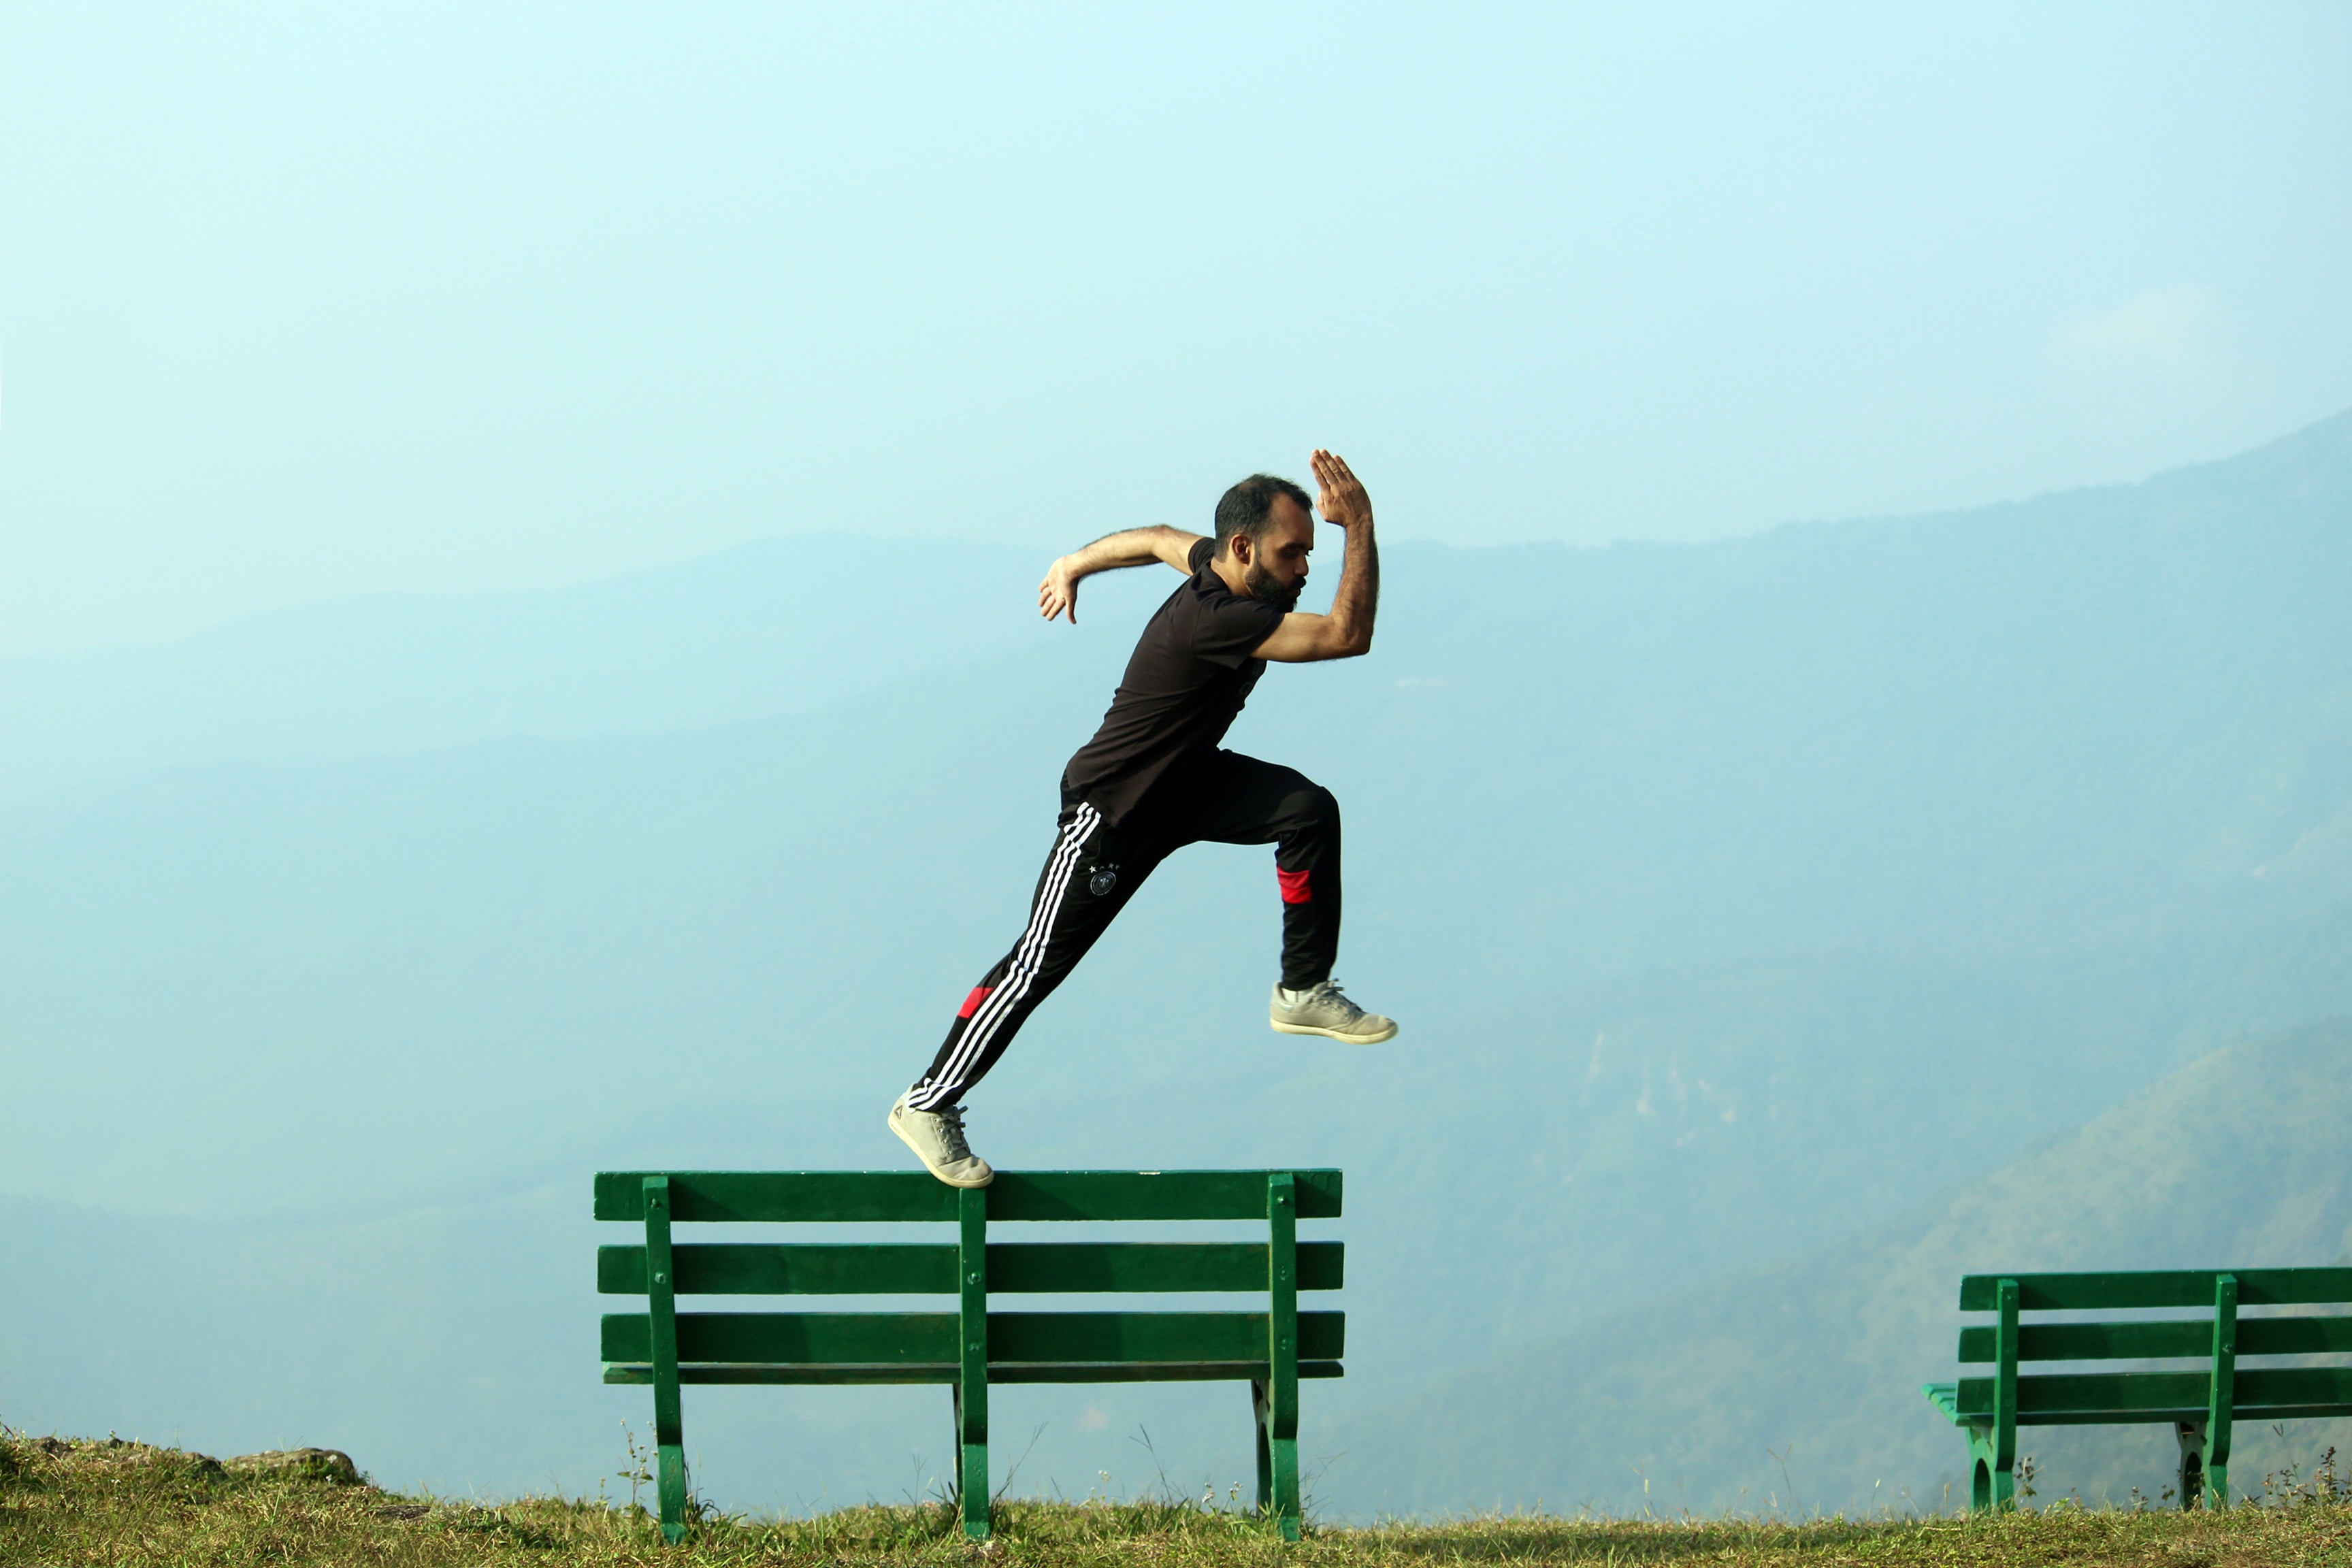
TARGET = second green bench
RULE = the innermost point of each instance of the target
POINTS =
(2201, 1405)
(973, 1345)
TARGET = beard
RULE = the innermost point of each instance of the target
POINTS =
(1262, 586)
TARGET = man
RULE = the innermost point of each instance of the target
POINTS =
(1153, 779)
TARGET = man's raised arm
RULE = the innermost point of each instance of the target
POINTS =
(1058, 593)
(1347, 631)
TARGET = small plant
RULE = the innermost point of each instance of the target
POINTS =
(2026, 1471)
(640, 1471)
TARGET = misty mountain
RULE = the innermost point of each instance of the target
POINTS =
(1737, 899)
(2237, 1160)
(783, 626)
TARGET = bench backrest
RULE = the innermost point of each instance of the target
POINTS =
(2216, 1335)
(932, 1346)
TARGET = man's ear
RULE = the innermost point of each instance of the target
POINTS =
(1236, 545)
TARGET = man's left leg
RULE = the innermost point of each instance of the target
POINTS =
(1244, 801)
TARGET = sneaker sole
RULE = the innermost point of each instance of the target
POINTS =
(892, 1122)
(1282, 1029)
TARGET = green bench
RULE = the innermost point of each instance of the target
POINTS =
(2201, 1405)
(971, 1346)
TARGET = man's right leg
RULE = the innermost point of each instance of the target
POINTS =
(1090, 874)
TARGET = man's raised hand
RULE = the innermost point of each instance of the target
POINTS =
(1341, 499)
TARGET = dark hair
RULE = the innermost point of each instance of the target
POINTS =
(1247, 506)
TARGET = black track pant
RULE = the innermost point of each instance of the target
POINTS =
(1095, 868)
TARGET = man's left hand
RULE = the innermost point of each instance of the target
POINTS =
(1342, 499)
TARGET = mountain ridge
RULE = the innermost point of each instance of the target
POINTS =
(311, 679)
(1690, 874)
(2228, 1162)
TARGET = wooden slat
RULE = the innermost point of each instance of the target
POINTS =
(2120, 1392)
(2150, 1393)
(2262, 1388)
(1149, 1371)
(704, 1196)
(798, 1268)
(2169, 1337)
(2160, 1288)
(2094, 1342)
(1076, 1267)
(854, 1338)
(1153, 1336)
(1025, 1372)
(2294, 1336)
(1153, 1194)
(2187, 1413)
(633, 1373)
(824, 1196)
(900, 1338)
(890, 1269)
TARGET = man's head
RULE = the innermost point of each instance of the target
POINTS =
(1265, 530)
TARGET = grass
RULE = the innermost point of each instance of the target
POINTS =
(115, 1503)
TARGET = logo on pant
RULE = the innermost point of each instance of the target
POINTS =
(1103, 881)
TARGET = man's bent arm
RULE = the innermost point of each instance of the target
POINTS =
(1347, 631)
(1058, 593)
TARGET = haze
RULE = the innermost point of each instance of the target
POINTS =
(518, 657)
(296, 303)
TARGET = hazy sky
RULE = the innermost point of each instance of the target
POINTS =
(297, 301)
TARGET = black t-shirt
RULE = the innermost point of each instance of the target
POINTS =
(1189, 674)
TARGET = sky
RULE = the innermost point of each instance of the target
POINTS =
(304, 301)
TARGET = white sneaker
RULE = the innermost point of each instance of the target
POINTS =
(1324, 1010)
(937, 1139)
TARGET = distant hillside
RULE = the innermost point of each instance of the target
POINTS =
(1736, 898)
(2238, 1159)
(784, 626)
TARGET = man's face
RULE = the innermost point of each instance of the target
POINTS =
(1276, 570)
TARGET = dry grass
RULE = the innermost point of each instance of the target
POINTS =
(123, 1503)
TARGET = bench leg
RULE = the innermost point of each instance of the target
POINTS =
(1278, 1460)
(1991, 1484)
(1264, 1459)
(971, 1468)
(2220, 1403)
(661, 1310)
(972, 1374)
(1280, 1398)
(2190, 1435)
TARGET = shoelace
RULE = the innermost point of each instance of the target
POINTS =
(951, 1132)
(1329, 990)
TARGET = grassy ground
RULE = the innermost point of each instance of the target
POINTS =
(123, 1503)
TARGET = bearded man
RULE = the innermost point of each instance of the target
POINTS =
(1155, 779)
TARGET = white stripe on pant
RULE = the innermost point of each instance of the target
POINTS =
(1023, 972)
